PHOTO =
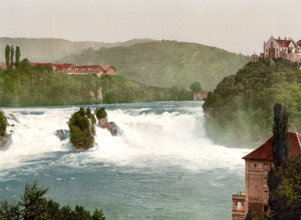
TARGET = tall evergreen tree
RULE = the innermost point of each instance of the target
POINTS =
(280, 142)
(7, 55)
(12, 53)
(18, 54)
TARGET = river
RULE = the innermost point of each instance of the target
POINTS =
(160, 166)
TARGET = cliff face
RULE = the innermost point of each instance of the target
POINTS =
(240, 110)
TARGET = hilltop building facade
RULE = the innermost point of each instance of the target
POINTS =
(280, 48)
(69, 68)
(257, 165)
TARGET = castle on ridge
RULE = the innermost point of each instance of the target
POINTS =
(280, 48)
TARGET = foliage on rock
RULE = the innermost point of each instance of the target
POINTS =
(82, 129)
(3, 125)
(239, 110)
(100, 113)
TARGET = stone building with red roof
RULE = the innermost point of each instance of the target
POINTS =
(282, 48)
(257, 165)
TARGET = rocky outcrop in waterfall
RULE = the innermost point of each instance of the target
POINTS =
(62, 134)
(82, 129)
(5, 142)
(103, 122)
(5, 139)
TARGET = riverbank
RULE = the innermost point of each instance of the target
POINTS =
(42, 87)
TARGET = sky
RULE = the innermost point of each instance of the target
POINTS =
(238, 26)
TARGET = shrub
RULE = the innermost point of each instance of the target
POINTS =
(100, 113)
(3, 124)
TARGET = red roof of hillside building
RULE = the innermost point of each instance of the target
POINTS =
(285, 43)
(63, 65)
(265, 152)
(88, 66)
(106, 68)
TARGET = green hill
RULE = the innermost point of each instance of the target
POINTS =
(240, 110)
(166, 63)
(50, 49)
(41, 87)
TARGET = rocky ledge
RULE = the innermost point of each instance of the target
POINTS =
(5, 142)
(110, 126)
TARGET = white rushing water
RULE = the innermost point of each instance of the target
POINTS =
(180, 136)
(152, 136)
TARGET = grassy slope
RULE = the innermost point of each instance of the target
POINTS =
(166, 63)
(50, 49)
(40, 86)
(240, 109)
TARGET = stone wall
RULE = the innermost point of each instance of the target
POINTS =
(200, 96)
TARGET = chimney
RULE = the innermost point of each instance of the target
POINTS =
(279, 38)
(285, 38)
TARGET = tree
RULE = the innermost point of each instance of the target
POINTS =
(7, 56)
(18, 54)
(34, 205)
(33, 202)
(196, 87)
(25, 63)
(12, 53)
(280, 141)
(9, 211)
(285, 198)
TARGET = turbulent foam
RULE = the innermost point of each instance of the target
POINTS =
(150, 135)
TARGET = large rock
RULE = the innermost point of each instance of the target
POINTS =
(62, 134)
(5, 142)
(110, 126)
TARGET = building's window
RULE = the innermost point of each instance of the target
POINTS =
(266, 194)
(266, 167)
(266, 208)
(255, 165)
(239, 206)
(266, 50)
(265, 181)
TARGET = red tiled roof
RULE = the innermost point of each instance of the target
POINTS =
(265, 152)
(285, 43)
(63, 65)
(89, 66)
(106, 68)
